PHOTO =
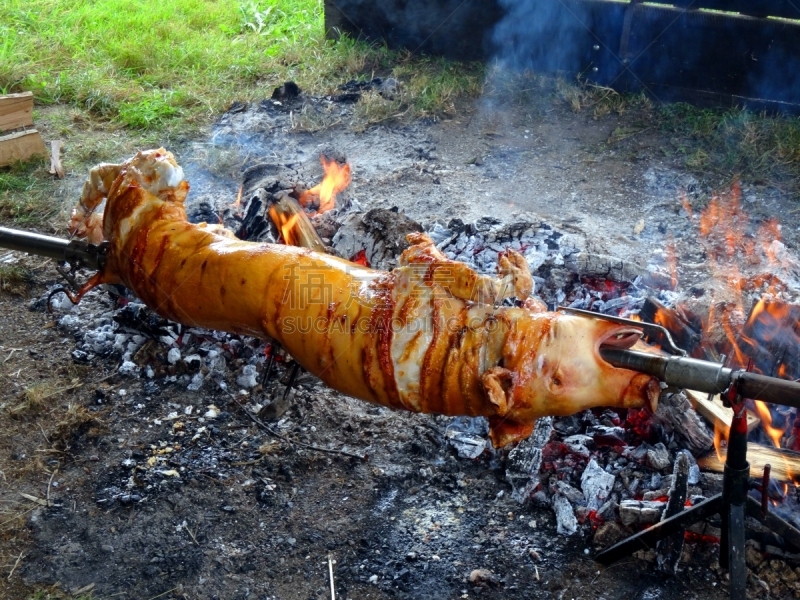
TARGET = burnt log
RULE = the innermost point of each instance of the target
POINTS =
(380, 234)
(525, 460)
(640, 512)
(685, 329)
(676, 414)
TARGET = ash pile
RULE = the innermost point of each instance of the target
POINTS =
(604, 474)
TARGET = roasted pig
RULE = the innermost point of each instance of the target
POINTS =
(427, 337)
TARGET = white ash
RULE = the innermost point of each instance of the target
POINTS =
(478, 244)
(640, 512)
(525, 460)
(248, 377)
(658, 457)
(129, 369)
(596, 485)
(566, 522)
(468, 436)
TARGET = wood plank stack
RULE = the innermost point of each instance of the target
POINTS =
(18, 140)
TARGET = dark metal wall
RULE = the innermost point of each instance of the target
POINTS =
(673, 53)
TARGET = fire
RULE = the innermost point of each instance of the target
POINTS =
(287, 229)
(672, 263)
(747, 260)
(718, 437)
(774, 433)
(238, 204)
(337, 178)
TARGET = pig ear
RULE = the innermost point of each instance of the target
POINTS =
(497, 384)
(503, 432)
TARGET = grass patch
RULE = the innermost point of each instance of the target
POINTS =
(34, 398)
(151, 65)
(759, 148)
(26, 195)
(15, 280)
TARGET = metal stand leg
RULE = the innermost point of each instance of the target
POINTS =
(732, 505)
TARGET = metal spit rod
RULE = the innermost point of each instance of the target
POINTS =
(76, 252)
(705, 376)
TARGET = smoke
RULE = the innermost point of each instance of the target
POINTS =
(541, 35)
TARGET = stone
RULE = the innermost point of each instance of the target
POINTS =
(609, 534)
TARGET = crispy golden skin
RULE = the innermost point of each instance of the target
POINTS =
(426, 337)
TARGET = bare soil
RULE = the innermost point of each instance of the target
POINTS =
(140, 497)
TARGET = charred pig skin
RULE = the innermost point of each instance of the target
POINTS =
(426, 337)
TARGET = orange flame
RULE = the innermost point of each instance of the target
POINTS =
(774, 433)
(719, 435)
(732, 251)
(287, 229)
(238, 204)
(672, 263)
(686, 206)
(337, 178)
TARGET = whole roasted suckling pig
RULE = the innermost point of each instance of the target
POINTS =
(426, 337)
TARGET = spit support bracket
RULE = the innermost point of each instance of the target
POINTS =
(732, 505)
(648, 328)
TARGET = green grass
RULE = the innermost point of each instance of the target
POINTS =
(759, 148)
(26, 195)
(150, 65)
(144, 63)
(14, 279)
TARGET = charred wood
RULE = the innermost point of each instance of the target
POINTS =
(676, 414)
(641, 512)
(525, 460)
(684, 328)
(379, 233)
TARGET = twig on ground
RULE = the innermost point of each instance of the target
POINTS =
(46, 439)
(14, 518)
(282, 437)
(330, 572)
(50, 483)
(247, 463)
(14, 568)
(189, 531)
(163, 594)
(35, 499)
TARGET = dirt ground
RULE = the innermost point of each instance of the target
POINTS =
(134, 490)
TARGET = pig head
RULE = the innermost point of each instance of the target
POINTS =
(551, 365)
